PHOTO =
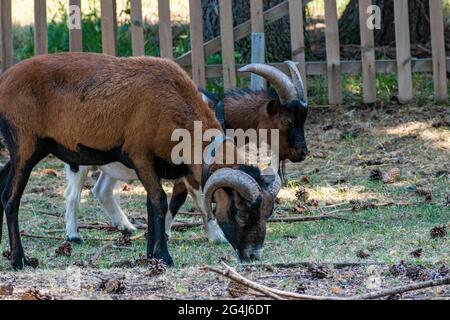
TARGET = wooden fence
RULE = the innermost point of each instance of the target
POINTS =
(194, 61)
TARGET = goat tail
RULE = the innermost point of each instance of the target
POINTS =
(3, 180)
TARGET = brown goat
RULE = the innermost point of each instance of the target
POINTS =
(240, 109)
(90, 109)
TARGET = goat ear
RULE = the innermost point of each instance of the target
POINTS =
(273, 107)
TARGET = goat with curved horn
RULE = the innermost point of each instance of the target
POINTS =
(237, 180)
(280, 82)
(298, 82)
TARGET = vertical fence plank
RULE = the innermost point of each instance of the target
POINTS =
(198, 51)
(165, 29)
(137, 28)
(75, 33)
(438, 47)
(6, 52)
(40, 27)
(367, 54)
(227, 37)
(109, 25)
(298, 36)
(258, 41)
(402, 39)
(333, 53)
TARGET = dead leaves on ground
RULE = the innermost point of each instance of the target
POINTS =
(64, 250)
(439, 232)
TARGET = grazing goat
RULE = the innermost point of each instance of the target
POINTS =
(241, 109)
(91, 109)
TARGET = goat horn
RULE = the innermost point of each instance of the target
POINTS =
(276, 185)
(297, 80)
(238, 180)
(280, 82)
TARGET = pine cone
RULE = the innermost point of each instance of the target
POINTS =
(439, 232)
(376, 175)
(237, 290)
(392, 176)
(65, 249)
(319, 272)
(34, 294)
(398, 269)
(113, 285)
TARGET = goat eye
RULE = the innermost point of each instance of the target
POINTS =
(286, 123)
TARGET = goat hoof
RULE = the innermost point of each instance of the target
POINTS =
(75, 240)
(165, 257)
(18, 264)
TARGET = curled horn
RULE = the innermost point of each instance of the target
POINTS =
(280, 82)
(237, 180)
(276, 185)
(298, 82)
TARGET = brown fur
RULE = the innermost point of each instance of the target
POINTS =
(123, 102)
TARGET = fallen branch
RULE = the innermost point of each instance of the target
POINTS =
(232, 274)
(403, 289)
(96, 256)
(98, 227)
(337, 265)
(47, 213)
(317, 218)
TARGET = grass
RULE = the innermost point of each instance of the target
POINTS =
(408, 141)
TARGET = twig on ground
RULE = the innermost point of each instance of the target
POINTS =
(34, 236)
(337, 265)
(317, 218)
(47, 213)
(403, 289)
(96, 256)
(269, 292)
(232, 274)
(98, 227)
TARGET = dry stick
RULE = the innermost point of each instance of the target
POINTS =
(403, 289)
(317, 218)
(338, 265)
(99, 252)
(228, 273)
(270, 292)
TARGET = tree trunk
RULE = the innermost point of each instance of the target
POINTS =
(419, 22)
(278, 43)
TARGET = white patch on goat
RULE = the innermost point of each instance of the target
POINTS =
(205, 98)
(75, 184)
(215, 234)
(104, 192)
(213, 231)
(169, 222)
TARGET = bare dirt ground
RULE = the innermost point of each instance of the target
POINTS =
(351, 150)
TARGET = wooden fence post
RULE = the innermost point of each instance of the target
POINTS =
(402, 39)
(438, 47)
(198, 51)
(6, 52)
(40, 27)
(258, 41)
(226, 27)
(298, 37)
(367, 53)
(165, 29)
(109, 26)
(75, 34)
(137, 28)
(333, 53)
